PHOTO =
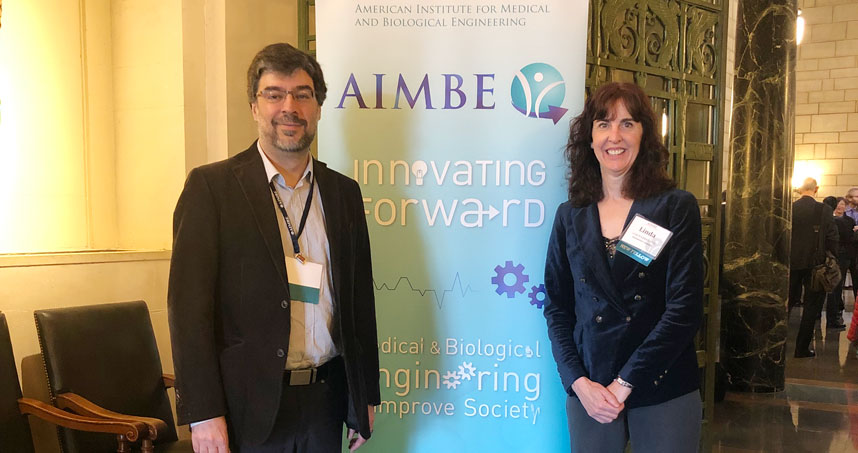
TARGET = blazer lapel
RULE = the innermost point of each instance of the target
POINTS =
(330, 193)
(250, 173)
(593, 247)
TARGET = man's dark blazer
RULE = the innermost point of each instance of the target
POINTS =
(228, 296)
(805, 236)
(627, 319)
(847, 237)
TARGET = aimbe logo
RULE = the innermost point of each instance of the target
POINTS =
(538, 90)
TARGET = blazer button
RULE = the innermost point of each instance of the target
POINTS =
(655, 383)
(281, 353)
(595, 299)
(284, 304)
(598, 319)
(628, 319)
(641, 274)
(583, 280)
(637, 297)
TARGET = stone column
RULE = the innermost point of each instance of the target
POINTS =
(759, 203)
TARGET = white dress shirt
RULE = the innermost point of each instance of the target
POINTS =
(311, 338)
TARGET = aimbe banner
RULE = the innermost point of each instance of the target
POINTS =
(453, 117)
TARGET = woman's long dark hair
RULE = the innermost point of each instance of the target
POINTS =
(648, 175)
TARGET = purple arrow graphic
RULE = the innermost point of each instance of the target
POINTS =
(554, 113)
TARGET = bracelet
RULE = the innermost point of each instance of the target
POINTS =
(624, 383)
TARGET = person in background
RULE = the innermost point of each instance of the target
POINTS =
(845, 254)
(808, 217)
(621, 331)
(851, 199)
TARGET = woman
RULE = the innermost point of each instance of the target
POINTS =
(845, 254)
(622, 332)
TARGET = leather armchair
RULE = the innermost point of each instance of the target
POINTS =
(103, 361)
(15, 436)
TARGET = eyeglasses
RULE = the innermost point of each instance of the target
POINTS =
(277, 96)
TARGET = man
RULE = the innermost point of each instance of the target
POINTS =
(852, 212)
(271, 305)
(852, 204)
(808, 217)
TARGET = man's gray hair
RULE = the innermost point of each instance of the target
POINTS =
(285, 59)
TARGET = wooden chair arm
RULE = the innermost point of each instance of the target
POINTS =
(169, 380)
(81, 405)
(130, 429)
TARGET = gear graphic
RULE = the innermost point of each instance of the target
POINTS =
(534, 296)
(451, 379)
(520, 279)
(467, 371)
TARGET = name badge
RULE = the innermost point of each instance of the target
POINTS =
(305, 280)
(643, 240)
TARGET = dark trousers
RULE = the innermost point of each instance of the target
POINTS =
(853, 271)
(811, 306)
(310, 418)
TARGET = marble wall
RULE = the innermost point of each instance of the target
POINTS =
(756, 253)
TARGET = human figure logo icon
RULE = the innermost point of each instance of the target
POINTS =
(538, 91)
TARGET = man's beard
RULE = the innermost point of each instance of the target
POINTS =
(282, 145)
(304, 143)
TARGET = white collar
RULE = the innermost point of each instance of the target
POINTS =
(272, 174)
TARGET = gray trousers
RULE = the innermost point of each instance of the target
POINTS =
(670, 427)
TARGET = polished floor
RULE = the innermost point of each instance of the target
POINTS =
(817, 412)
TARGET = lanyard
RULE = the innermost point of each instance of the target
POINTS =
(295, 247)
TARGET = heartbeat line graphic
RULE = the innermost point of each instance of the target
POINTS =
(439, 301)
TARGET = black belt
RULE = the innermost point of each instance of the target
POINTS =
(307, 376)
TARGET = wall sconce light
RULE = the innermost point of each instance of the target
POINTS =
(663, 124)
(799, 28)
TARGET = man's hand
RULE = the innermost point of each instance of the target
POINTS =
(210, 436)
(355, 439)
(601, 405)
(620, 392)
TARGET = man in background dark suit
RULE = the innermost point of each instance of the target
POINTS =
(271, 305)
(808, 216)
(851, 198)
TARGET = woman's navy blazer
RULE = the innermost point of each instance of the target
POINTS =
(626, 319)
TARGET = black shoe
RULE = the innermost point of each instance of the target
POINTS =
(804, 354)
